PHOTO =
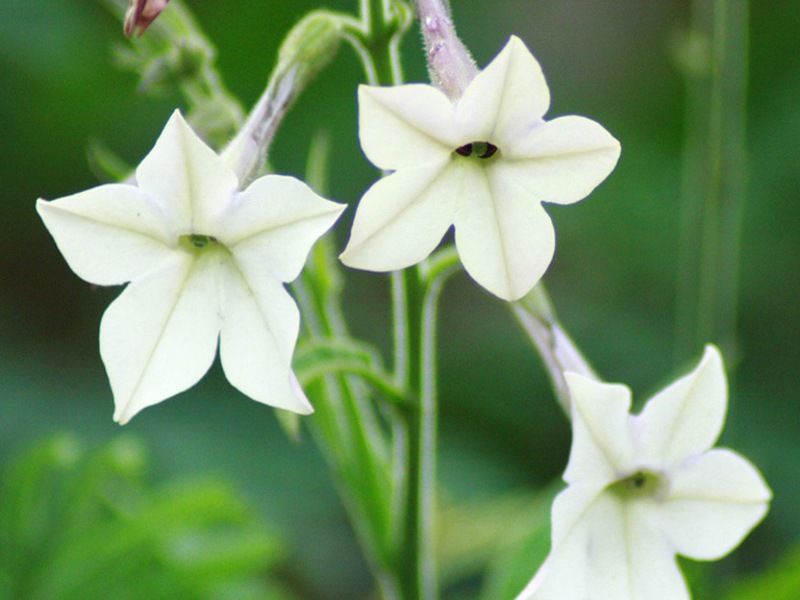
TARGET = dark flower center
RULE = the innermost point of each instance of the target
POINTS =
(479, 149)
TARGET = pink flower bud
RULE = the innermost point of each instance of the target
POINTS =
(140, 14)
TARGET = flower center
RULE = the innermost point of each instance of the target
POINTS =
(644, 483)
(479, 149)
(199, 241)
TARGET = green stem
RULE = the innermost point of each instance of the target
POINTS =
(414, 567)
(715, 170)
(413, 317)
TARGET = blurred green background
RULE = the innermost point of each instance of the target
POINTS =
(613, 278)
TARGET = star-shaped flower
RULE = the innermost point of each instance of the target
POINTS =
(205, 261)
(483, 164)
(643, 488)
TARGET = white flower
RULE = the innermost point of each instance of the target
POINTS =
(644, 488)
(204, 261)
(483, 164)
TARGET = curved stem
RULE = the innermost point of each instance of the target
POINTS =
(558, 352)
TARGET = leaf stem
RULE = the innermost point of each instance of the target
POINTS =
(715, 174)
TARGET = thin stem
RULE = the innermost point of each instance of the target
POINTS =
(247, 152)
(414, 366)
(559, 353)
(415, 574)
(715, 171)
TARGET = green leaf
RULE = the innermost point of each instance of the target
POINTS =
(87, 525)
(320, 357)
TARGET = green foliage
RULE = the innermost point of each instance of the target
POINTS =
(78, 524)
(781, 581)
(176, 55)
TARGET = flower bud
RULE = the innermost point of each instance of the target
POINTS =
(308, 49)
(140, 14)
(309, 46)
(450, 65)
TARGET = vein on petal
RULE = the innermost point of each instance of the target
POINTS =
(501, 232)
(405, 206)
(52, 206)
(566, 153)
(277, 225)
(160, 336)
(253, 294)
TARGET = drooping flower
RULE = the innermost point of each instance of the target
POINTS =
(205, 262)
(643, 488)
(484, 164)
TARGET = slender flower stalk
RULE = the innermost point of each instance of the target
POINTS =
(558, 352)
(308, 48)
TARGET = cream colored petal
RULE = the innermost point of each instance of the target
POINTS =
(108, 235)
(160, 336)
(260, 323)
(628, 556)
(406, 125)
(561, 160)
(504, 99)
(609, 550)
(602, 450)
(685, 418)
(187, 179)
(505, 240)
(563, 574)
(402, 218)
(714, 501)
(274, 223)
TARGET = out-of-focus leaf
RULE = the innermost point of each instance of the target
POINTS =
(527, 544)
(175, 54)
(780, 582)
(87, 525)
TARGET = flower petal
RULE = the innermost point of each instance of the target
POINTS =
(188, 180)
(601, 440)
(714, 501)
(504, 99)
(109, 234)
(160, 336)
(561, 160)
(608, 550)
(260, 323)
(402, 218)
(685, 418)
(506, 241)
(405, 125)
(274, 223)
